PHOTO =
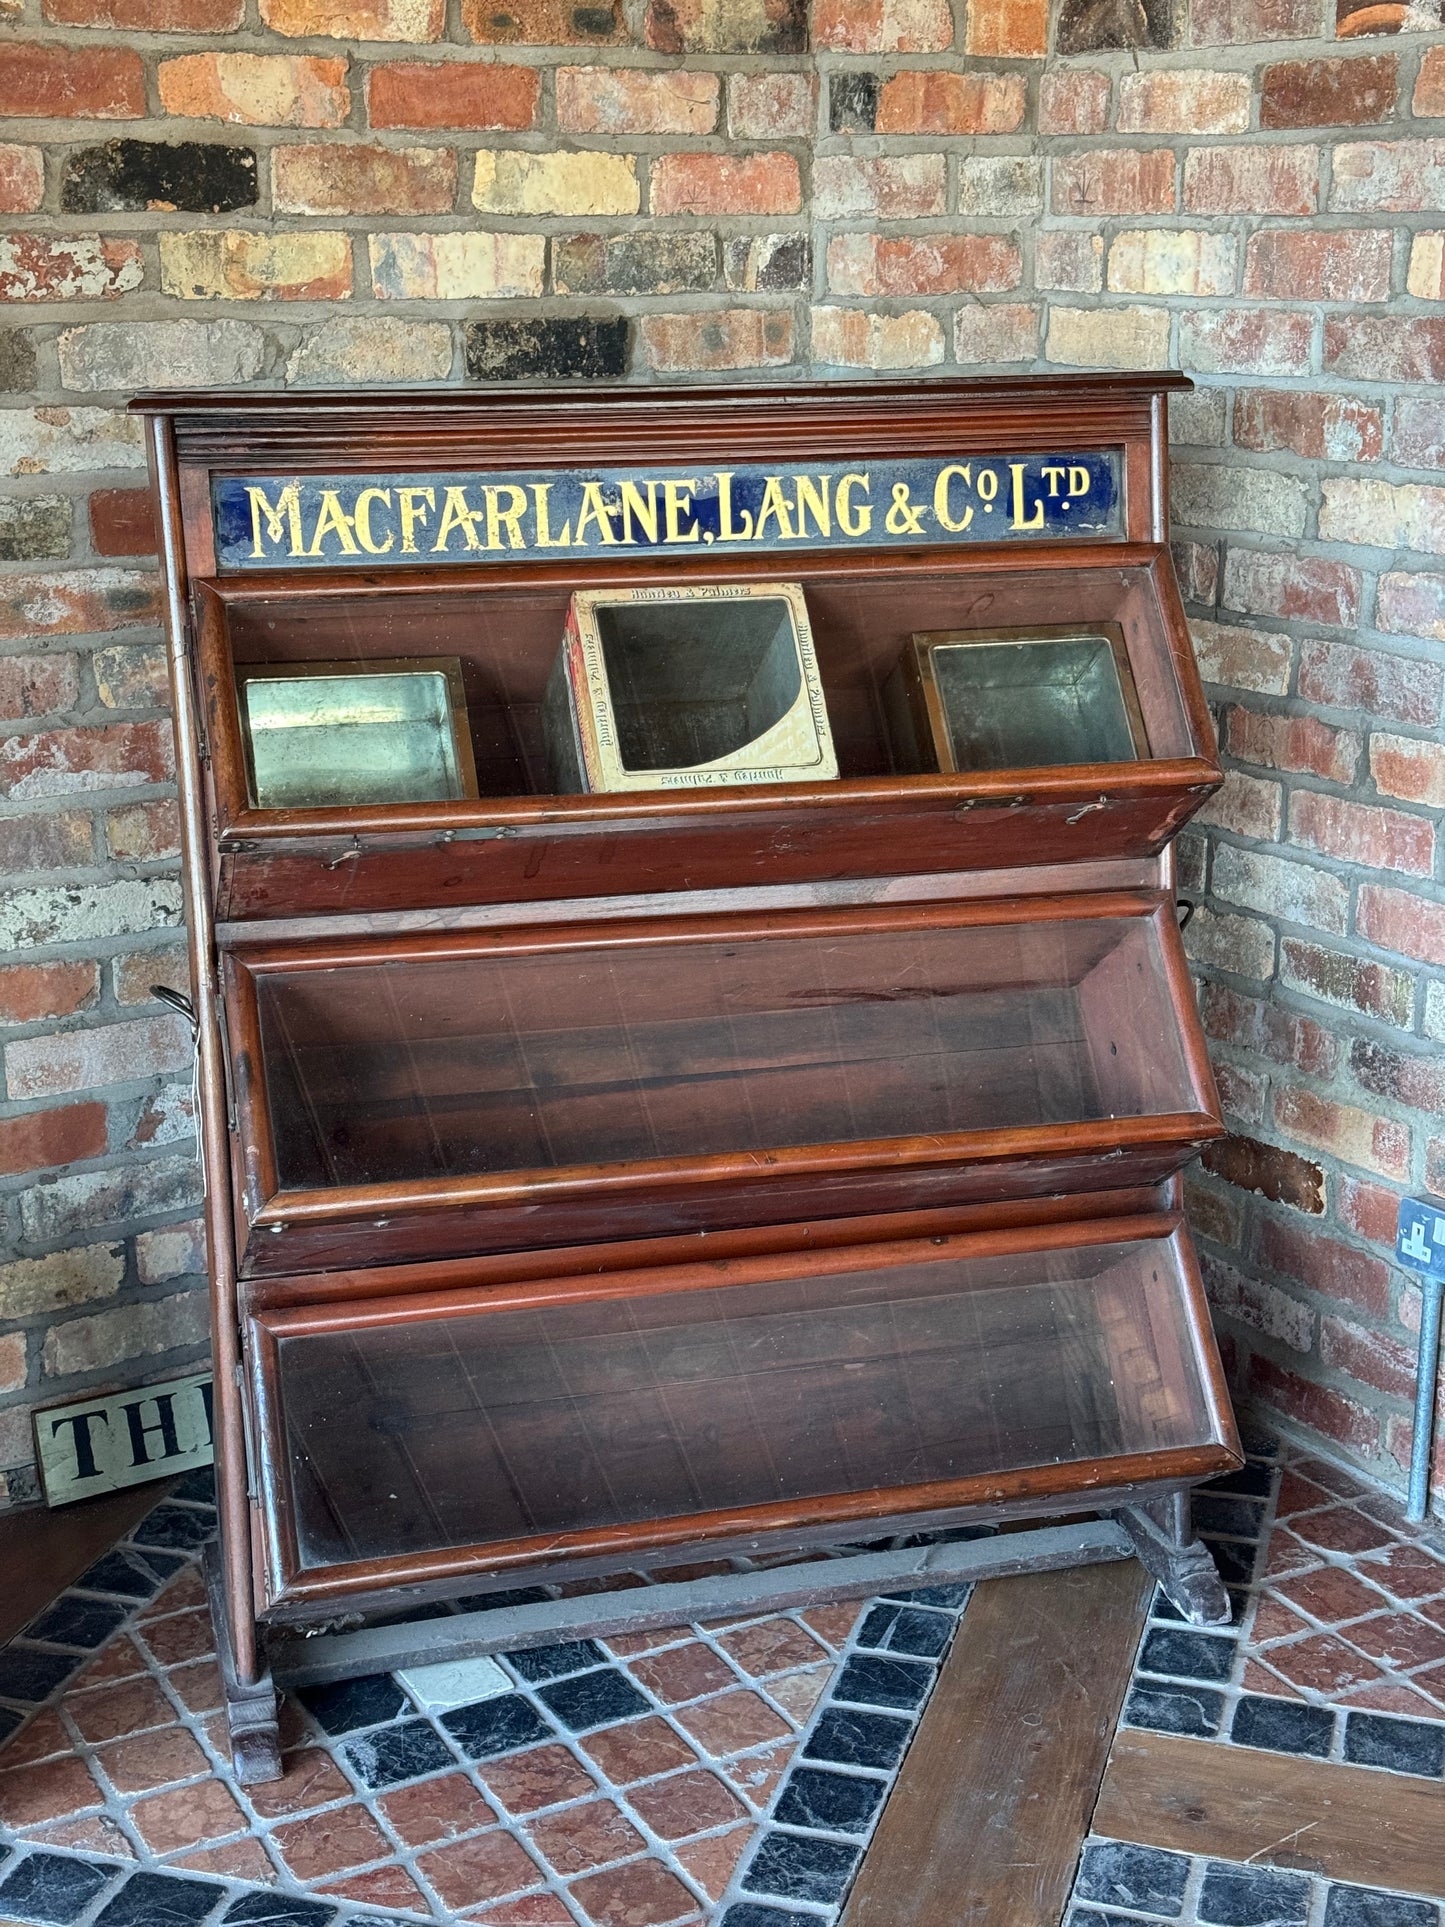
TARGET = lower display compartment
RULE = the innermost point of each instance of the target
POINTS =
(495, 1431)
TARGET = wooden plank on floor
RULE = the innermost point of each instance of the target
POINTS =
(1351, 1823)
(984, 1826)
(42, 1552)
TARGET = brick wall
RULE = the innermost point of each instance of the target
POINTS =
(295, 192)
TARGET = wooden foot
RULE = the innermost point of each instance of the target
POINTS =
(1165, 1545)
(251, 1705)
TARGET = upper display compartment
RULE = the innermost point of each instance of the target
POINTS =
(470, 649)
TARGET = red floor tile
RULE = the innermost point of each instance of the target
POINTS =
(771, 1646)
(1389, 1697)
(115, 1712)
(799, 1693)
(686, 1803)
(183, 1636)
(485, 1867)
(1298, 1494)
(543, 1777)
(198, 1686)
(532, 1910)
(188, 1588)
(1399, 1640)
(42, 1739)
(1340, 1530)
(241, 1859)
(51, 1790)
(1258, 1678)
(1331, 1594)
(580, 1838)
(1333, 1477)
(93, 1834)
(331, 1842)
(382, 1887)
(1407, 1571)
(120, 1659)
(732, 1723)
(756, 1777)
(1322, 1664)
(187, 1816)
(152, 1760)
(436, 1810)
(683, 1673)
(834, 1623)
(712, 1862)
(641, 1895)
(1273, 1619)
(638, 1750)
(311, 1779)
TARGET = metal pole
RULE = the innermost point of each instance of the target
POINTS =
(1431, 1291)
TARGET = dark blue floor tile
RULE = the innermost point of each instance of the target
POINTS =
(496, 1726)
(549, 1662)
(275, 1910)
(53, 1887)
(1234, 1560)
(9, 1720)
(1187, 1655)
(1250, 1482)
(1405, 1746)
(829, 1802)
(593, 1699)
(904, 1629)
(1252, 1897)
(1144, 1878)
(86, 1623)
(480, 1602)
(848, 1738)
(748, 1913)
(390, 1754)
(180, 1527)
(798, 1867)
(161, 1900)
(30, 1676)
(951, 1597)
(1168, 1708)
(129, 1575)
(199, 1486)
(353, 1703)
(1283, 1726)
(1368, 1907)
(1258, 1444)
(871, 1680)
(1092, 1917)
(1236, 1518)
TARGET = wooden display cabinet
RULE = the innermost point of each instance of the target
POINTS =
(599, 1177)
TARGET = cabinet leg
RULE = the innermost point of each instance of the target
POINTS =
(251, 1705)
(1164, 1542)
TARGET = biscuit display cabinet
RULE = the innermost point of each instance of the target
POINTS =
(695, 1049)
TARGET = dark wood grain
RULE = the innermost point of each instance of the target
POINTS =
(985, 1824)
(41, 1553)
(1348, 1822)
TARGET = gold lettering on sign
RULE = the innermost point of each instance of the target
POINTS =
(332, 519)
(677, 502)
(1021, 521)
(414, 505)
(456, 515)
(508, 518)
(645, 511)
(287, 504)
(545, 538)
(728, 530)
(1078, 481)
(594, 509)
(942, 507)
(813, 499)
(774, 504)
(852, 520)
(363, 520)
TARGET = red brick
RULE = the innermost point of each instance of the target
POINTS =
(256, 90)
(1282, 1176)
(76, 602)
(1368, 1357)
(22, 178)
(40, 1140)
(1075, 101)
(896, 187)
(1251, 180)
(1353, 983)
(1325, 1265)
(1398, 921)
(453, 93)
(1247, 341)
(122, 522)
(1372, 1212)
(1218, 23)
(1000, 331)
(144, 832)
(53, 762)
(1241, 658)
(1288, 264)
(1241, 1093)
(41, 81)
(1296, 743)
(1385, 347)
(772, 106)
(1329, 93)
(1326, 1411)
(1397, 689)
(883, 26)
(1355, 1136)
(624, 100)
(1197, 564)
(1435, 1166)
(1005, 29)
(545, 23)
(29, 993)
(1428, 100)
(1408, 767)
(38, 685)
(1360, 833)
(1411, 605)
(1388, 177)
(726, 184)
(1336, 428)
(726, 338)
(1249, 1023)
(1418, 437)
(148, 16)
(1183, 100)
(84, 1060)
(83, 267)
(1308, 588)
(919, 102)
(880, 264)
(57, 840)
(1246, 806)
(1407, 1077)
(312, 179)
(1116, 180)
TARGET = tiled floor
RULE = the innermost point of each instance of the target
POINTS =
(729, 1773)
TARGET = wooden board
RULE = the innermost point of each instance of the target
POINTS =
(985, 1824)
(41, 1553)
(1347, 1822)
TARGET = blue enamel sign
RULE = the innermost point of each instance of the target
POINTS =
(330, 521)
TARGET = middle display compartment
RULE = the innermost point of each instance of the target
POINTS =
(489, 1091)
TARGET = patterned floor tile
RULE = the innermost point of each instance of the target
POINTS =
(1120, 1885)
